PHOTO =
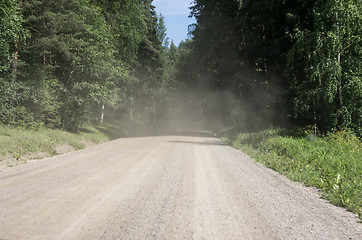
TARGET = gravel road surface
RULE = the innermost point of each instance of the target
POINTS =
(164, 187)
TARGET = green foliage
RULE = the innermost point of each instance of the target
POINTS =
(81, 59)
(10, 33)
(12, 99)
(325, 62)
(161, 31)
(127, 21)
(72, 43)
(330, 162)
(153, 73)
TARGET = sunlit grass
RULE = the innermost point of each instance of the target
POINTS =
(332, 163)
(17, 142)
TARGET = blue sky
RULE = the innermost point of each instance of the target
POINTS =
(176, 14)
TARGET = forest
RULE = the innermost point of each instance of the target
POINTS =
(249, 65)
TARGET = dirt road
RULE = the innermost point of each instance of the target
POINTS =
(166, 187)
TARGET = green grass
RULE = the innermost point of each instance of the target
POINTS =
(19, 142)
(332, 163)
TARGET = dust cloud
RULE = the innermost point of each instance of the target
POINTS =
(199, 107)
(214, 110)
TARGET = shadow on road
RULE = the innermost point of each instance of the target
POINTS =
(208, 143)
(185, 133)
(112, 133)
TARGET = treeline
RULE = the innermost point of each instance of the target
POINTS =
(64, 63)
(274, 62)
(250, 64)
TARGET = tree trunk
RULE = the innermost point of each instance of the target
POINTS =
(15, 62)
(131, 110)
(340, 82)
(102, 115)
(339, 63)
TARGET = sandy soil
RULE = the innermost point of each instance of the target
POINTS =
(166, 187)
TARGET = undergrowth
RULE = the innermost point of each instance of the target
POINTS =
(332, 162)
(17, 142)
